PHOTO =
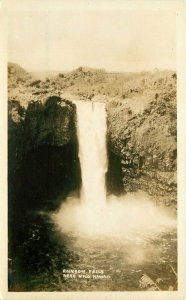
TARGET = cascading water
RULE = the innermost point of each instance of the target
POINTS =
(91, 131)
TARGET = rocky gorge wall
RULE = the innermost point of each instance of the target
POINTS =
(43, 152)
(145, 142)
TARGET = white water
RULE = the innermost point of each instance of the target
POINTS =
(91, 130)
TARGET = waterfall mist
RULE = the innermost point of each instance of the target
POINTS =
(132, 216)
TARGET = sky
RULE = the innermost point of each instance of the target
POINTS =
(114, 39)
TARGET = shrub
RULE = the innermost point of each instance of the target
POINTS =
(61, 75)
(35, 82)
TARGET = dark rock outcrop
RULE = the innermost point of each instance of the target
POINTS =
(43, 150)
(51, 123)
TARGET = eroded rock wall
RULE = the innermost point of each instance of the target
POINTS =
(43, 151)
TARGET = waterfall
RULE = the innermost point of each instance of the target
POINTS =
(96, 216)
(91, 131)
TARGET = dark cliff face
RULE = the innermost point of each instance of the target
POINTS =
(51, 123)
(43, 152)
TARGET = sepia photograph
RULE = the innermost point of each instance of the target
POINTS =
(93, 94)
